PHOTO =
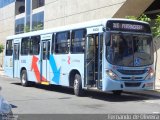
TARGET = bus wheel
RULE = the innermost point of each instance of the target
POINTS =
(78, 91)
(24, 80)
(117, 92)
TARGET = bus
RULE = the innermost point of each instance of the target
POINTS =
(108, 55)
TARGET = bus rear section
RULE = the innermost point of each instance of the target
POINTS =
(8, 59)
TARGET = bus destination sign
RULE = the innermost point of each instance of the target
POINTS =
(128, 26)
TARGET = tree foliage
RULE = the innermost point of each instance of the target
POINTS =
(26, 29)
(143, 17)
(155, 27)
(1, 48)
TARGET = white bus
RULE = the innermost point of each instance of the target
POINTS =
(105, 55)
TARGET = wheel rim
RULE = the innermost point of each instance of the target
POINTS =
(23, 79)
(75, 84)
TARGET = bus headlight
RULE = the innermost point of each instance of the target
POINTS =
(150, 74)
(112, 75)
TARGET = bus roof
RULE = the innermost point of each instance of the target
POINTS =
(101, 22)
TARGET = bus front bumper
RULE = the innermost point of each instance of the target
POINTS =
(110, 85)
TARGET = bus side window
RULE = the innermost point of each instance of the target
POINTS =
(78, 41)
(46, 50)
(9, 47)
(25, 46)
(48, 45)
(35, 45)
(62, 42)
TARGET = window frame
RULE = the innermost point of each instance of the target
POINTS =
(22, 47)
(6, 51)
(80, 42)
(31, 47)
(66, 43)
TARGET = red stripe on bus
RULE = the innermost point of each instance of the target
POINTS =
(36, 70)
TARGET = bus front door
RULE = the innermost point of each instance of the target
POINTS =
(45, 52)
(16, 71)
(93, 60)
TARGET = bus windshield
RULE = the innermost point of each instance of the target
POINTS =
(130, 50)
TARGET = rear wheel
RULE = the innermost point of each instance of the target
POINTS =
(24, 80)
(78, 91)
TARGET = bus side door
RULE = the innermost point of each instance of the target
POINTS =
(93, 57)
(16, 63)
(45, 56)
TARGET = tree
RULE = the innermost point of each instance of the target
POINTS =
(143, 17)
(155, 27)
(1, 48)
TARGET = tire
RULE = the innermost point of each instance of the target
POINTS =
(78, 91)
(24, 80)
(117, 92)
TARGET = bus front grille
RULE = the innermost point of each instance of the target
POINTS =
(132, 72)
(137, 84)
(131, 78)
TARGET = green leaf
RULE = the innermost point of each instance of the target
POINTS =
(1, 48)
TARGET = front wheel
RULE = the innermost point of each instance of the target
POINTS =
(78, 91)
(24, 80)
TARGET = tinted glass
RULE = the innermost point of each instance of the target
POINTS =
(37, 3)
(9, 47)
(38, 21)
(4, 3)
(25, 46)
(19, 26)
(35, 45)
(130, 50)
(62, 42)
(16, 51)
(78, 41)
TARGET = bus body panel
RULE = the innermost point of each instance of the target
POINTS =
(56, 68)
(127, 82)
(8, 66)
(62, 65)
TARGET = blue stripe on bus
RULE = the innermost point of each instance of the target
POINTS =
(55, 70)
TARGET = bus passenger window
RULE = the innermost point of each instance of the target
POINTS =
(16, 51)
(25, 46)
(78, 41)
(44, 51)
(62, 42)
(9, 48)
(35, 45)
